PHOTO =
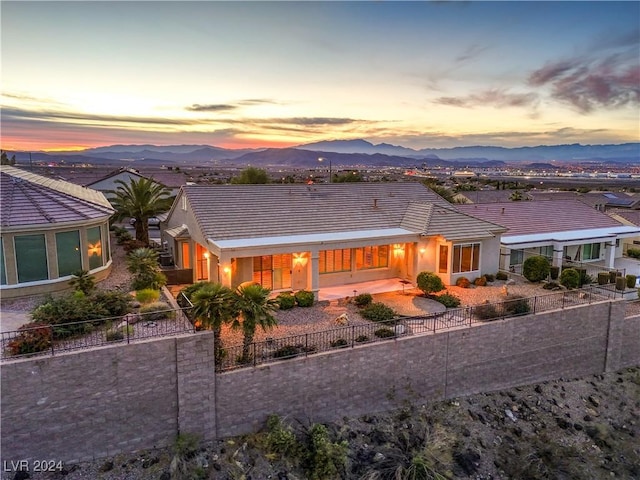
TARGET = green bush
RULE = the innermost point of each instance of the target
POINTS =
(489, 277)
(156, 311)
(384, 333)
(429, 283)
(83, 281)
(633, 252)
(480, 281)
(364, 338)
(448, 300)
(33, 338)
(287, 351)
(463, 282)
(118, 334)
(502, 276)
(286, 301)
(516, 305)
(554, 272)
(378, 312)
(621, 283)
(570, 278)
(536, 269)
(613, 275)
(280, 438)
(486, 311)
(148, 295)
(363, 300)
(325, 459)
(631, 281)
(75, 309)
(603, 278)
(339, 343)
(115, 303)
(304, 298)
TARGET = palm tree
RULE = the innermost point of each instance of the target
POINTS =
(255, 309)
(140, 199)
(143, 264)
(214, 305)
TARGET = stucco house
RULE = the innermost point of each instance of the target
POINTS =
(49, 230)
(293, 237)
(562, 230)
(107, 183)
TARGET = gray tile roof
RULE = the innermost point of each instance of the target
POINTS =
(30, 199)
(432, 219)
(226, 212)
(545, 216)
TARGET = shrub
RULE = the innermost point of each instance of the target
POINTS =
(114, 302)
(74, 309)
(33, 338)
(463, 282)
(287, 351)
(378, 312)
(83, 281)
(429, 283)
(363, 300)
(502, 276)
(516, 305)
(325, 458)
(480, 281)
(280, 437)
(613, 275)
(486, 311)
(448, 300)
(286, 301)
(603, 278)
(384, 333)
(621, 283)
(490, 277)
(148, 295)
(585, 278)
(631, 281)
(188, 292)
(156, 311)
(536, 268)
(304, 298)
(570, 278)
(554, 272)
(552, 286)
(633, 252)
(118, 334)
(143, 264)
(339, 343)
(364, 338)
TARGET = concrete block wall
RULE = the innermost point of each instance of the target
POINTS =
(96, 403)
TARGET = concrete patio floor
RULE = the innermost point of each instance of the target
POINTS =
(375, 286)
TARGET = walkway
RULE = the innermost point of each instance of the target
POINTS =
(12, 320)
(375, 286)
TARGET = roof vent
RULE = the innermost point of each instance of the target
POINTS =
(502, 210)
(375, 203)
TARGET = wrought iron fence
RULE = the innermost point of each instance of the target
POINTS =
(42, 339)
(275, 349)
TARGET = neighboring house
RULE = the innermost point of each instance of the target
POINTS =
(627, 217)
(491, 196)
(293, 237)
(108, 182)
(50, 229)
(559, 229)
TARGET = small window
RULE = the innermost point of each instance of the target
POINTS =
(31, 258)
(466, 258)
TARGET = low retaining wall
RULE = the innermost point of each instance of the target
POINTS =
(91, 404)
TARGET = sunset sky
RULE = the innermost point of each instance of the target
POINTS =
(244, 74)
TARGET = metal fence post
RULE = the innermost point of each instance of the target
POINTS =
(51, 336)
(564, 294)
(353, 336)
(535, 304)
(255, 359)
(306, 344)
(126, 319)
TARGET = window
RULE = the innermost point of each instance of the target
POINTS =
(443, 260)
(332, 261)
(372, 257)
(273, 271)
(31, 258)
(466, 258)
(94, 247)
(186, 256)
(68, 253)
(3, 277)
(547, 251)
(516, 257)
(591, 251)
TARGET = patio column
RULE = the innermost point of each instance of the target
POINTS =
(314, 271)
(557, 255)
(505, 258)
(611, 254)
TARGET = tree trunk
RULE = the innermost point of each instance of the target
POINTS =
(142, 230)
(246, 345)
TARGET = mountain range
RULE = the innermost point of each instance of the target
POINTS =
(347, 153)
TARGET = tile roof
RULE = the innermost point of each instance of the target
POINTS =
(626, 216)
(431, 219)
(30, 199)
(545, 216)
(228, 212)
